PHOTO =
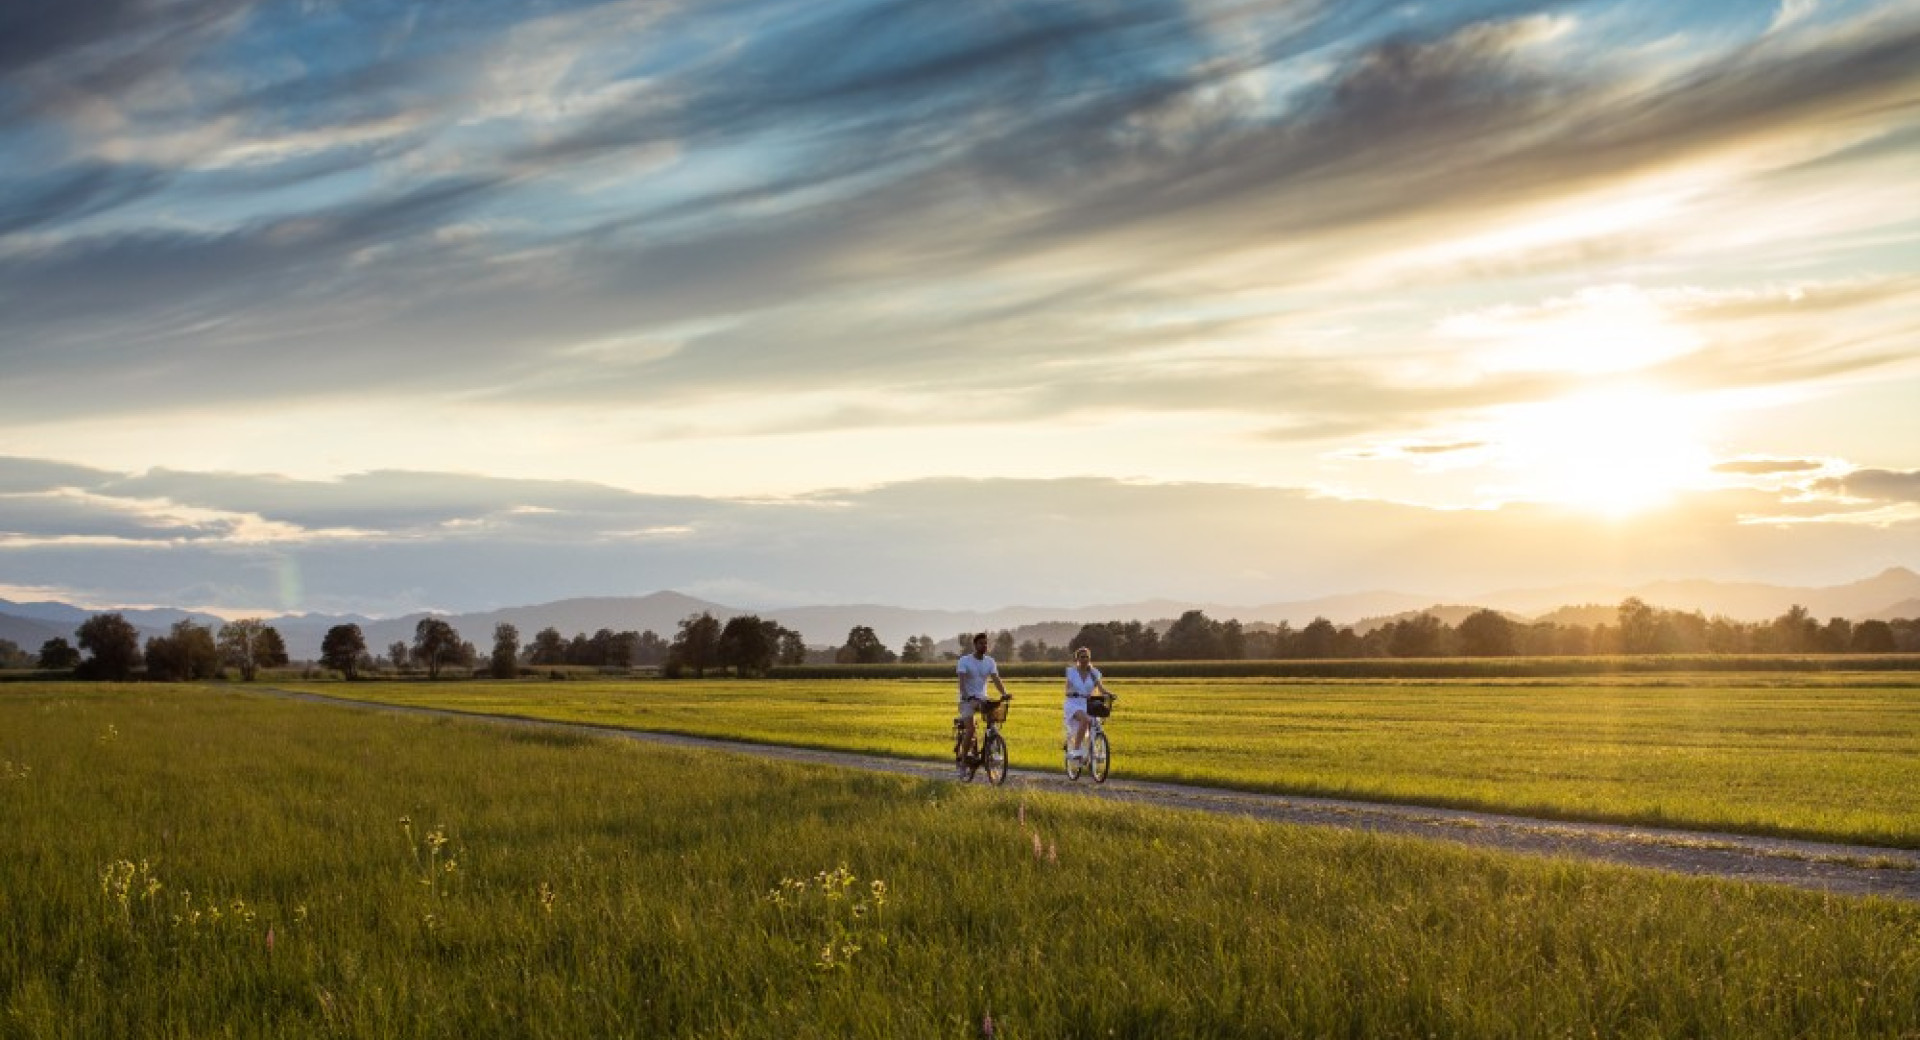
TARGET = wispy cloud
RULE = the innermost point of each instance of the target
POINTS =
(807, 245)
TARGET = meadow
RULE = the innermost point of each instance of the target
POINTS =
(1827, 756)
(189, 861)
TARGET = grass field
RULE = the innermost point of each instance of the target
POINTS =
(181, 861)
(1828, 756)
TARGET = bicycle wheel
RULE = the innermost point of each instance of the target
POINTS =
(1073, 763)
(996, 755)
(1098, 756)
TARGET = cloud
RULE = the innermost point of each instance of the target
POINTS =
(1769, 467)
(465, 542)
(1876, 485)
(867, 224)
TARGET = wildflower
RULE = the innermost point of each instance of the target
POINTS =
(547, 896)
(269, 940)
(1053, 852)
(986, 1026)
(879, 890)
(1023, 814)
(1038, 849)
(300, 913)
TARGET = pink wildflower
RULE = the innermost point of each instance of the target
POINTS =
(986, 1026)
(1038, 849)
(269, 939)
(1053, 852)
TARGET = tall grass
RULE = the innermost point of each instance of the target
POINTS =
(1828, 756)
(380, 876)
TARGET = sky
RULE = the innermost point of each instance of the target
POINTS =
(381, 306)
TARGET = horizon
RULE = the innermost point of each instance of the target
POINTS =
(877, 301)
(1072, 612)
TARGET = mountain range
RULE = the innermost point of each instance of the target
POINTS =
(1892, 593)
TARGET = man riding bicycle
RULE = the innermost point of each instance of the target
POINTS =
(973, 672)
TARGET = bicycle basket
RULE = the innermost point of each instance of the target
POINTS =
(1099, 707)
(997, 710)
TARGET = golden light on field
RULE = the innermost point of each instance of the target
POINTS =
(1613, 452)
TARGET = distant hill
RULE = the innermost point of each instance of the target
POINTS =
(1586, 615)
(45, 620)
(30, 634)
(1858, 600)
(1909, 608)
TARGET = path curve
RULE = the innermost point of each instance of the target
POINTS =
(1843, 869)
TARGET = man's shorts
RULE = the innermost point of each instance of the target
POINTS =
(968, 705)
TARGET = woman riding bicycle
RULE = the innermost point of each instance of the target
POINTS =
(1083, 681)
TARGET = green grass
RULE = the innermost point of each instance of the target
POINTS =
(1826, 756)
(1396, 667)
(608, 889)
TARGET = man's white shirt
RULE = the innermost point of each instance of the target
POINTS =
(973, 672)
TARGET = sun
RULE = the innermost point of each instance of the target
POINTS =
(1617, 452)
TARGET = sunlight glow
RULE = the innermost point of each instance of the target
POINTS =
(1599, 330)
(1615, 452)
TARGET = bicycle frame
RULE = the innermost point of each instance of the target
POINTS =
(986, 734)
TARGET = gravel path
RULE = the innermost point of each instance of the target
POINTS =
(1844, 869)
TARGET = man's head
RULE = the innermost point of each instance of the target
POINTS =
(980, 644)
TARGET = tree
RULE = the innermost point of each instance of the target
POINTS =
(1194, 637)
(864, 647)
(1796, 632)
(57, 654)
(1417, 636)
(1486, 633)
(1233, 640)
(1639, 627)
(342, 647)
(1002, 646)
(272, 651)
(695, 646)
(549, 647)
(1316, 640)
(1098, 639)
(793, 647)
(1869, 637)
(112, 645)
(622, 649)
(11, 656)
(245, 644)
(435, 643)
(506, 652)
(650, 649)
(917, 650)
(187, 653)
(398, 655)
(748, 644)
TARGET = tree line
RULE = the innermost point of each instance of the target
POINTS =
(748, 645)
(1639, 628)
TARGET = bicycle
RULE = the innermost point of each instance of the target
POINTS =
(1099, 751)
(989, 751)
